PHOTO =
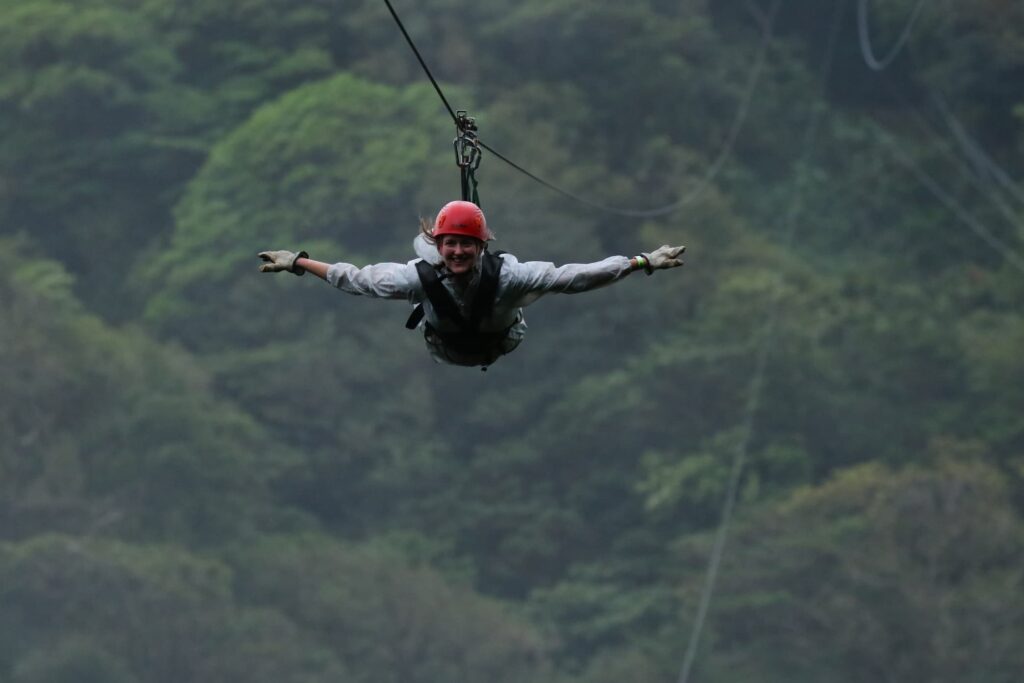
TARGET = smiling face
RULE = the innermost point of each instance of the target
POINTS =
(459, 253)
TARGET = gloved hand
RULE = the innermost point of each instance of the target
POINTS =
(276, 261)
(663, 257)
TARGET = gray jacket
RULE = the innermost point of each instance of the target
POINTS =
(519, 285)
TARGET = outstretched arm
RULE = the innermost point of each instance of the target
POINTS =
(382, 280)
(532, 280)
(537, 278)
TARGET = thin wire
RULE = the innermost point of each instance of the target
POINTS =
(737, 125)
(950, 203)
(426, 69)
(738, 121)
(766, 338)
(865, 36)
(1001, 175)
(979, 176)
(982, 161)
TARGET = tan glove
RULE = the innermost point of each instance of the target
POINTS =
(276, 261)
(663, 257)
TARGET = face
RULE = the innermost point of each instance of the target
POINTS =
(459, 253)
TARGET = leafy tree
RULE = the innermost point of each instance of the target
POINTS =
(580, 477)
(84, 162)
(995, 380)
(389, 622)
(603, 608)
(74, 660)
(111, 430)
(875, 573)
(323, 165)
(145, 613)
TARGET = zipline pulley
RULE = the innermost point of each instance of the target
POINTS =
(467, 155)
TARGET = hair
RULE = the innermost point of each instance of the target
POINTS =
(427, 229)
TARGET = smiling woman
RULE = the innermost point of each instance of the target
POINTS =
(468, 301)
(460, 234)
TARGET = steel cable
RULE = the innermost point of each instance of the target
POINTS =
(864, 34)
(738, 122)
(766, 338)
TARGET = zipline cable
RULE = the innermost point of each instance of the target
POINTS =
(986, 165)
(419, 57)
(864, 33)
(977, 172)
(738, 122)
(933, 186)
(766, 338)
(734, 130)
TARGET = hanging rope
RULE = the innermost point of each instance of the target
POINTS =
(933, 186)
(864, 34)
(467, 147)
(977, 169)
(986, 166)
(426, 69)
(766, 338)
(734, 130)
(737, 125)
(739, 120)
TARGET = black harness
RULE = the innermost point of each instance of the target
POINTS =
(468, 339)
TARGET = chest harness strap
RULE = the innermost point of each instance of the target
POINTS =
(480, 307)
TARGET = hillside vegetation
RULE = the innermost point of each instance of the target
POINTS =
(209, 474)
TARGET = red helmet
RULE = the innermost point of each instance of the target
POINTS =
(461, 218)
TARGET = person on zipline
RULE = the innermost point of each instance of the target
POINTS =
(468, 300)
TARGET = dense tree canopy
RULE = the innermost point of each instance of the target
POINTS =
(209, 474)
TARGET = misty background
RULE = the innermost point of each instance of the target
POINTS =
(800, 458)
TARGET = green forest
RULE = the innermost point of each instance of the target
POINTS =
(798, 459)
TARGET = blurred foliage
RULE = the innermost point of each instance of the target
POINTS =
(397, 623)
(212, 474)
(914, 573)
(109, 429)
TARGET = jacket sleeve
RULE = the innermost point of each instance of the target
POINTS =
(531, 280)
(381, 280)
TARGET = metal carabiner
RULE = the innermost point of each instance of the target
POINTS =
(467, 154)
(467, 149)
